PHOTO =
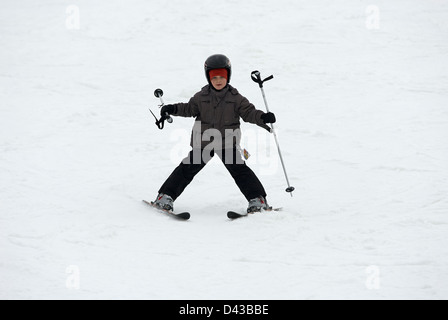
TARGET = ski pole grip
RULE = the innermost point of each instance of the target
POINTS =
(256, 77)
(268, 78)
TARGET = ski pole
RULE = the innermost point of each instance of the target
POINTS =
(256, 77)
(160, 123)
(159, 94)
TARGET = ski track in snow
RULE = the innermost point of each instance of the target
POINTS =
(362, 122)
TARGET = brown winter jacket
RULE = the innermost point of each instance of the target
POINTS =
(220, 111)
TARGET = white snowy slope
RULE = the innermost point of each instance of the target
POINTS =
(361, 98)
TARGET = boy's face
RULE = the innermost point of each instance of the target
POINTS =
(219, 82)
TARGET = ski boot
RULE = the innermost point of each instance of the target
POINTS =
(258, 204)
(164, 202)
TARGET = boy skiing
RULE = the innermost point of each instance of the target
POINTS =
(217, 108)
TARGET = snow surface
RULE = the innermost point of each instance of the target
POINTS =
(361, 97)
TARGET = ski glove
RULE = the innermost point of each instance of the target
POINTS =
(169, 108)
(268, 117)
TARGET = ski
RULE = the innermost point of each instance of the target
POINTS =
(232, 215)
(179, 216)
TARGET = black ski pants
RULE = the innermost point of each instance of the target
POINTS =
(196, 160)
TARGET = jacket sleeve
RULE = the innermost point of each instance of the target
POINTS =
(190, 109)
(249, 113)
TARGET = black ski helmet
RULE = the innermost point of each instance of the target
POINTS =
(217, 61)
